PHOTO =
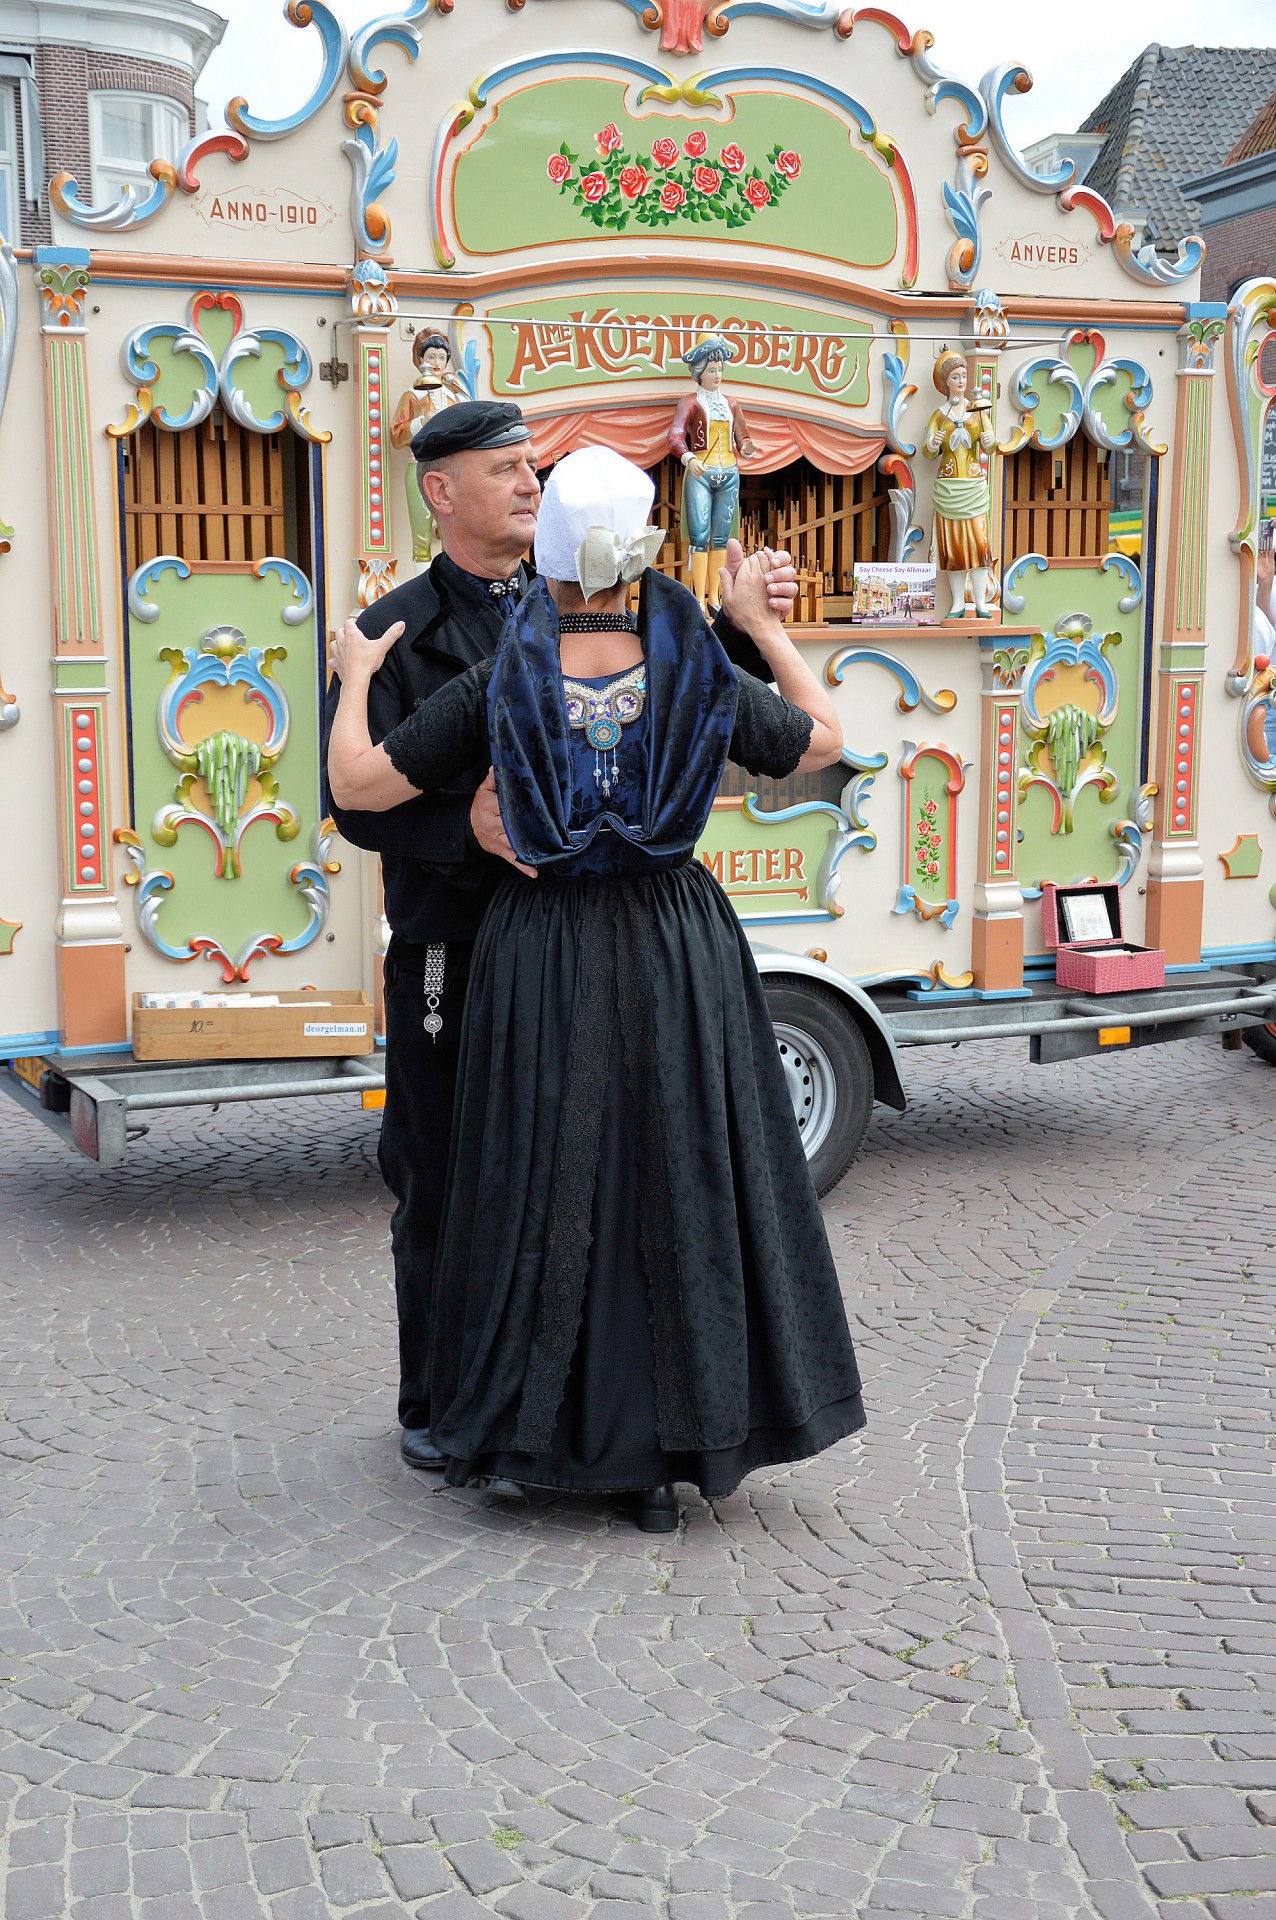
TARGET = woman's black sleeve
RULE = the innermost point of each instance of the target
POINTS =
(446, 734)
(771, 734)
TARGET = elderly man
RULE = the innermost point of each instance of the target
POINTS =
(441, 853)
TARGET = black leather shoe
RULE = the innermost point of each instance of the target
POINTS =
(501, 1485)
(419, 1450)
(656, 1510)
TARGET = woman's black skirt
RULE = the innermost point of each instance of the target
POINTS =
(634, 1285)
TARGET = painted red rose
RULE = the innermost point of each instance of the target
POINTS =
(695, 146)
(672, 196)
(789, 164)
(633, 182)
(757, 192)
(732, 158)
(559, 168)
(706, 179)
(609, 138)
(594, 186)
(664, 152)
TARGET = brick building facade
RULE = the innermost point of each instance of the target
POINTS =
(139, 50)
(1239, 250)
(1238, 209)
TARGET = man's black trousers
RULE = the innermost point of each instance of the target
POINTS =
(416, 1129)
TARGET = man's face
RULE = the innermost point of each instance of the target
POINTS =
(488, 501)
(711, 378)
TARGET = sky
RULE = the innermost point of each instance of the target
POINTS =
(1074, 53)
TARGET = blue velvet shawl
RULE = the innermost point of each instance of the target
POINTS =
(691, 703)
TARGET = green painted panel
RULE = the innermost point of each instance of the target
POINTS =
(575, 343)
(217, 327)
(261, 899)
(770, 868)
(179, 379)
(80, 676)
(1054, 401)
(256, 377)
(841, 206)
(1089, 849)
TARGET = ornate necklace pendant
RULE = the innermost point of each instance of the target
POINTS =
(601, 714)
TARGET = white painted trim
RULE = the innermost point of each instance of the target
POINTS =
(174, 32)
(10, 164)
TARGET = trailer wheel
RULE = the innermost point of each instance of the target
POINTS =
(1263, 1041)
(829, 1073)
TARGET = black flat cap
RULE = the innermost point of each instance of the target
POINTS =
(471, 426)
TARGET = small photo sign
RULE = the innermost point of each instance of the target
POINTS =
(887, 595)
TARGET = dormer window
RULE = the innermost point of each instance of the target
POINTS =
(127, 131)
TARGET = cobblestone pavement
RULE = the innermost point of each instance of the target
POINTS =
(1007, 1656)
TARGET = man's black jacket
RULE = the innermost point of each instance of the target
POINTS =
(437, 879)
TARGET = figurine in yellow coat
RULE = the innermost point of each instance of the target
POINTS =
(709, 435)
(955, 435)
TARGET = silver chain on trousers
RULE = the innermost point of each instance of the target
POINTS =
(435, 968)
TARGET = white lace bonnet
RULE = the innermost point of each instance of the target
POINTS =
(594, 525)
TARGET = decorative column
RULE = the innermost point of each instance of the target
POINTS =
(997, 937)
(996, 958)
(89, 951)
(1176, 884)
(985, 335)
(374, 308)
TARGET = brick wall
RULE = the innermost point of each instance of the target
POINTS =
(65, 77)
(1237, 250)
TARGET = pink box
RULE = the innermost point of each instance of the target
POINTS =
(1083, 926)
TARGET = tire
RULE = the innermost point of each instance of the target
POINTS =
(1263, 1041)
(829, 1072)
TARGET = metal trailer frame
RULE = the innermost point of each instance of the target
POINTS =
(94, 1102)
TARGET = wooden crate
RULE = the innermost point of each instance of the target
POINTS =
(304, 1025)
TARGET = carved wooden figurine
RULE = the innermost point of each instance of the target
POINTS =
(708, 435)
(434, 388)
(954, 436)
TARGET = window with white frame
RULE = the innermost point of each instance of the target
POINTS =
(128, 131)
(10, 168)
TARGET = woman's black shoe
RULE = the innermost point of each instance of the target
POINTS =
(656, 1510)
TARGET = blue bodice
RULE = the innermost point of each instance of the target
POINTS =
(625, 772)
(669, 762)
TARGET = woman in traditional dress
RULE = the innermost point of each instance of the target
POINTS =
(954, 436)
(633, 1285)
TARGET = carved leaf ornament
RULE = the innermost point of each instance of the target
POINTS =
(210, 371)
(1080, 398)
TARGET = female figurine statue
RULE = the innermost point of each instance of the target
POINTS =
(954, 436)
(708, 433)
(434, 388)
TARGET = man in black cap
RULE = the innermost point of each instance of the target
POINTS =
(441, 853)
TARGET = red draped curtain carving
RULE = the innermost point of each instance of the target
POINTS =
(642, 435)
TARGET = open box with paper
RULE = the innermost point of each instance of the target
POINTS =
(252, 1026)
(1083, 926)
